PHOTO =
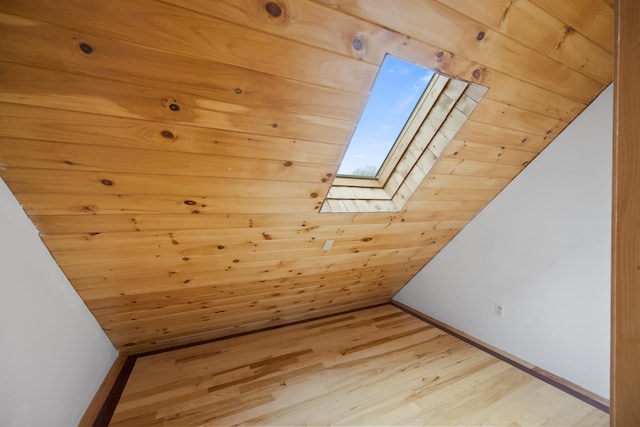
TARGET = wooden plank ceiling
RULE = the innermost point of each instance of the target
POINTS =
(174, 154)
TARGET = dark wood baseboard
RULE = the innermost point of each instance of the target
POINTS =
(549, 378)
(102, 395)
(103, 417)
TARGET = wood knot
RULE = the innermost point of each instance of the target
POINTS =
(189, 202)
(220, 247)
(86, 48)
(367, 239)
(167, 134)
(477, 74)
(238, 91)
(274, 125)
(480, 35)
(273, 9)
(287, 164)
(568, 30)
(314, 195)
(170, 103)
(357, 43)
(106, 182)
(440, 54)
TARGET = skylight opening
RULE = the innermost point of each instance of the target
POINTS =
(406, 127)
(396, 92)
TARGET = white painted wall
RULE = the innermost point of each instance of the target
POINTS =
(542, 248)
(53, 353)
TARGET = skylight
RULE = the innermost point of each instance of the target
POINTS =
(396, 92)
(418, 123)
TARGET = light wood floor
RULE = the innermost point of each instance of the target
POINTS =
(378, 366)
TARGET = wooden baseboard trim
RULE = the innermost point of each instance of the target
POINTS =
(560, 383)
(94, 408)
(103, 417)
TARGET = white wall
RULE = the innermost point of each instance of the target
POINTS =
(543, 249)
(53, 354)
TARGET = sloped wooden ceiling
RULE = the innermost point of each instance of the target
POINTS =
(174, 154)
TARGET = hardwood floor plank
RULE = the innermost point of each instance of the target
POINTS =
(377, 366)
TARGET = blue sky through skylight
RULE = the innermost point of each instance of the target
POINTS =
(396, 91)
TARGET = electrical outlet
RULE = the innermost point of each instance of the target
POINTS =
(499, 310)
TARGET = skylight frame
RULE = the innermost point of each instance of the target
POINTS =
(418, 115)
(444, 108)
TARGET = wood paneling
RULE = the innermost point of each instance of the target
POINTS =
(625, 319)
(535, 27)
(377, 366)
(45, 124)
(128, 126)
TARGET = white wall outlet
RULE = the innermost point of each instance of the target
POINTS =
(499, 310)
